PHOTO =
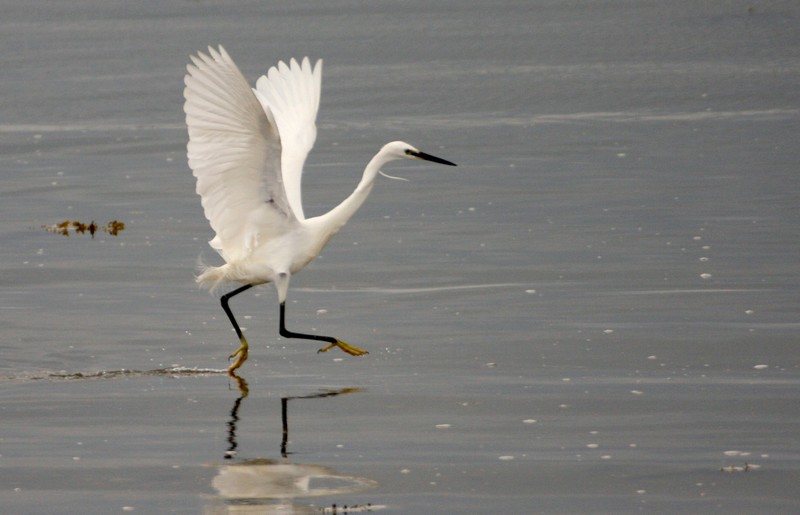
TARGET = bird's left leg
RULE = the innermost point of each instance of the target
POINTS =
(332, 342)
(282, 284)
(241, 353)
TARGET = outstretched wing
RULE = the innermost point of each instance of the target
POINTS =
(234, 152)
(291, 93)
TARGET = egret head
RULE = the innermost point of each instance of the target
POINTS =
(402, 150)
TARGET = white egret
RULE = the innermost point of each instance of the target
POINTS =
(246, 149)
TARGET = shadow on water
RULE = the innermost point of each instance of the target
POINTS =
(265, 486)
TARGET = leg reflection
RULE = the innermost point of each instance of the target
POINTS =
(285, 422)
(276, 485)
(244, 391)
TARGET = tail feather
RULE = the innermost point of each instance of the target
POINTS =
(210, 277)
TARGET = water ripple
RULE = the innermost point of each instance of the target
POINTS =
(174, 372)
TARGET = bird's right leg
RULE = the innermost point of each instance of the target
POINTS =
(241, 353)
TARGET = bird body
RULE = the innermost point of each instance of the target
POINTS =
(247, 148)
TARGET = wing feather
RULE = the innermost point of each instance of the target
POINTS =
(234, 151)
(291, 92)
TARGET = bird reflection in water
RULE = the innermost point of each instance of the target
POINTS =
(267, 486)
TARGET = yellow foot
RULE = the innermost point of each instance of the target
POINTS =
(353, 351)
(241, 356)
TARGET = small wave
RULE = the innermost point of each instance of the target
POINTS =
(688, 291)
(422, 289)
(92, 127)
(174, 372)
(622, 117)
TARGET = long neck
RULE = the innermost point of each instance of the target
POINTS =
(334, 219)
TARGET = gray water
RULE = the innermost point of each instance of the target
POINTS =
(596, 312)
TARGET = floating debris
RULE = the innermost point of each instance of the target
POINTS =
(747, 467)
(736, 453)
(114, 227)
(353, 508)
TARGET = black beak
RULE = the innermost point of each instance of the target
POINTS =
(428, 157)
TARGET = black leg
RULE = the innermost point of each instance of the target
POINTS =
(289, 334)
(224, 302)
(330, 340)
(241, 353)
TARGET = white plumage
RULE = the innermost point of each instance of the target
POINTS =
(247, 148)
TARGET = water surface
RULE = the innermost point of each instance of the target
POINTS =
(597, 311)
